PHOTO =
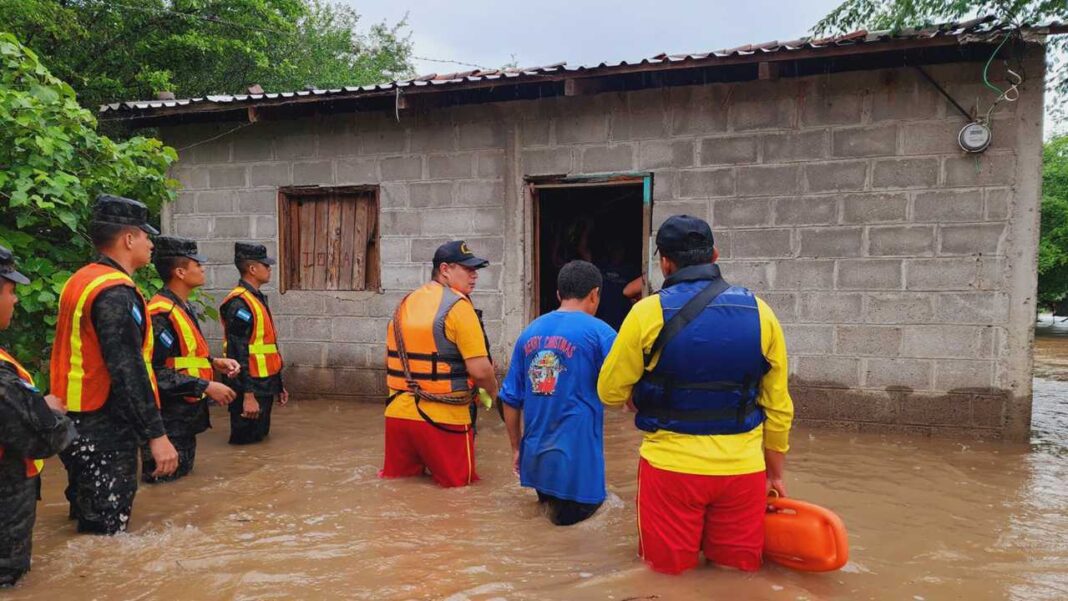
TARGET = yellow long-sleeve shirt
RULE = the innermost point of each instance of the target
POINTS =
(711, 455)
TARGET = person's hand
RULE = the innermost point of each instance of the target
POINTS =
(220, 393)
(776, 467)
(630, 407)
(283, 397)
(250, 408)
(165, 456)
(55, 403)
(230, 367)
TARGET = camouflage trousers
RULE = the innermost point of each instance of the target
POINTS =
(18, 511)
(100, 486)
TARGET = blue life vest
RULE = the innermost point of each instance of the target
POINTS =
(707, 380)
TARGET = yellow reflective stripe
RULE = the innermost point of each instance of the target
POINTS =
(258, 334)
(262, 349)
(25, 375)
(38, 464)
(192, 363)
(77, 367)
(160, 306)
(188, 335)
(149, 345)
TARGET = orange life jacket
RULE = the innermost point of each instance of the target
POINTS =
(435, 361)
(264, 360)
(193, 356)
(33, 466)
(78, 373)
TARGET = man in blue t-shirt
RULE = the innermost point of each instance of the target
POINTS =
(552, 387)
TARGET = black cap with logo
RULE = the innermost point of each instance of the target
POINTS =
(457, 252)
(7, 268)
(248, 251)
(683, 232)
(173, 246)
(117, 210)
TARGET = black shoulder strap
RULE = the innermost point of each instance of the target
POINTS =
(686, 314)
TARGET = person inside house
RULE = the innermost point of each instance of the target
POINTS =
(102, 371)
(181, 358)
(554, 419)
(32, 427)
(437, 358)
(706, 365)
(251, 340)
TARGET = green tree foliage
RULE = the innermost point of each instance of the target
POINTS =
(52, 164)
(111, 50)
(1053, 244)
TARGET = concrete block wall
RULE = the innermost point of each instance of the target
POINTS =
(902, 270)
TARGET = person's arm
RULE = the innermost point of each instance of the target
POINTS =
(625, 363)
(775, 398)
(633, 290)
(170, 381)
(513, 392)
(238, 318)
(28, 427)
(463, 328)
(481, 371)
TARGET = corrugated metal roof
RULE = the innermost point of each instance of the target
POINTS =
(981, 29)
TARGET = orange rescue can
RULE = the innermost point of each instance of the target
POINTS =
(804, 537)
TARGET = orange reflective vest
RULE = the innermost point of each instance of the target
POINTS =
(193, 356)
(264, 360)
(435, 361)
(78, 372)
(33, 466)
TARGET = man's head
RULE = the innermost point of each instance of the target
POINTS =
(9, 278)
(252, 262)
(579, 284)
(120, 229)
(177, 261)
(457, 267)
(683, 241)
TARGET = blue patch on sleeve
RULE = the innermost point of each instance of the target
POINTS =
(244, 315)
(137, 315)
(29, 386)
(166, 339)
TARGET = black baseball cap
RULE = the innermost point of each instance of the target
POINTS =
(118, 210)
(252, 252)
(457, 252)
(173, 246)
(683, 232)
(7, 268)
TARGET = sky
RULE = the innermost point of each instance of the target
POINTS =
(493, 33)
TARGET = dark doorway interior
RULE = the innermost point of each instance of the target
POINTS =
(598, 223)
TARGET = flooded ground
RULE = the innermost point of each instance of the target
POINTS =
(305, 517)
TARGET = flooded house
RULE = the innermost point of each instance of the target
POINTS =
(871, 187)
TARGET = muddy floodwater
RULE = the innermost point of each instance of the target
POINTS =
(304, 516)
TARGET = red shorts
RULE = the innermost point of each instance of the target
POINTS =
(414, 447)
(682, 514)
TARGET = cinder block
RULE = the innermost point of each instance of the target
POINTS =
(796, 146)
(264, 227)
(832, 242)
(908, 373)
(430, 194)
(942, 341)
(760, 106)
(948, 205)
(981, 170)
(342, 142)
(191, 178)
(294, 146)
(809, 339)
(741, 212)
(729, 150)
(874, 208)
(257, 202)
(880, 140)
(185, 204)
(822, 210)
(933, 137)
(342, 354)
(783, 304)
(804, 274)
(253, 149)
(393, 195)
(898, 307)
(192, 227)
(901, 99)
(941, 274)
(837, 372)
(313, 173)
(831, 307)
(869, 274)
(400, 223)
(618, 157)
(550, 161)
(440, 137)
(982, 239)
(270, 174)
(401, 168)
(823, 108)
(457, 165)
(387, 141)
(227, 176)
(986, 308)
(231, 227)
(480, 194)
(462, 223)
(394, 250)
(580, 128)
(769, 180)
(905, 173)
(639, 125)
(357, 171)
(998, 203)
(359, 329)
(901, 240)
(881, 341)
(762, 243)
(399, 276)
(490, 164)
(706, 183)
(215, 202)
(478, 136)
(307, 354)
(665, 209)
(697, 109)
(665, 153)
(535, 132)
(754, 275)
(956, 375)
(836, 176)
(992, 273)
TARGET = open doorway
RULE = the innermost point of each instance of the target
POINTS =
(605, 222)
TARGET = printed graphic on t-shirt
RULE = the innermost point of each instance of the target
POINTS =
(545, 372)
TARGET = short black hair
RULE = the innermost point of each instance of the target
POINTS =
(165, 266)
(104, 234)
(577, 279)
(693, 256)
(243, 265)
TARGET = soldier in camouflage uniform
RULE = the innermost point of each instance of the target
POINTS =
(32, 427)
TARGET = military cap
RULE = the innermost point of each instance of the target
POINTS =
(247, 251)
(7, 268)
(173, 246)
(122, 211)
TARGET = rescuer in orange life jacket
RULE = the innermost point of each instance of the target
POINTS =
(437, 357)
(102, 370)
(32, 427)
(181, 358)
(251, 340)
